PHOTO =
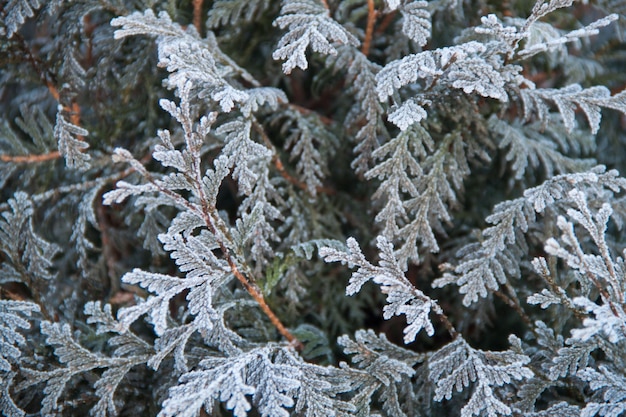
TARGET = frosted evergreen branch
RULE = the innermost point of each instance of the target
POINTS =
(369, 351)
(319, 395)
(28, 257)
(14, 316)
(18, 11)
(609, 321)
(416, 21)
(242, 152)
(261, 210)
(444, 65)
(227, 12)
(445, 170)
(274, 378)
(7, 405)
(491, 263)
(555, 295)
(190, 59)
(278, 164)
(457, 364)
(492, 26)
(512, 34)
(384, 369)
(310, 25)
(532, 145)
(586, 31)
(146, 24)
(398, 169)
(304, 141)
(612, 386)
(193, 255)
(596, 225)
(416, 187)
(402, 296)
(405, 141)
(73, 188)
(214, 225)
(543, 8)
(366, 113)
(589, 100)
(71, 142)
(78, 360)
(600, 270)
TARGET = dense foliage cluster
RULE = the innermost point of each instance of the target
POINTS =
(312, 208)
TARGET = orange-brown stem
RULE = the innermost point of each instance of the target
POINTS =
(197, 15)
(46, 78)
(75, 117)
(386, 22)
(283, 172)
(443, 318)
(245, 282)
(53, 90)
(369, 29)
(305, 111)
(258, 297)
(278, 164)
(28, 159)
(249, 286)
(89, 29)
(515, 306)
(109, 254)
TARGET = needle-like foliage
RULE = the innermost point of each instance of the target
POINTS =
(312, 208)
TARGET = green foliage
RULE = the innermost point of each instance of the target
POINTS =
(312, 208)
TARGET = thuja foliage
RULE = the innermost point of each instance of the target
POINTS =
(312, 208)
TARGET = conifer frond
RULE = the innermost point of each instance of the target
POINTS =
(611, 385)
(18, 11)
(496, 259)
(30, 257)
(77, 360)
(14, 316)
(589, 100)
(311, 26)
(402, 297)
(229, 12)
(456, 365)
(181, 259)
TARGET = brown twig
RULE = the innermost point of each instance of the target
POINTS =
(303, 110)
(258, 297)
(369, 29)
(212, 222)
(245, 282)
(29, 159)
(208, 215)
(107, 250)
(53, 90)
(386, 22)
(75, 118)
(443, 318)
(513, 302)
(74, 112)
(89, 29)
(278, 164)
(73, 109)
(197, 15)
